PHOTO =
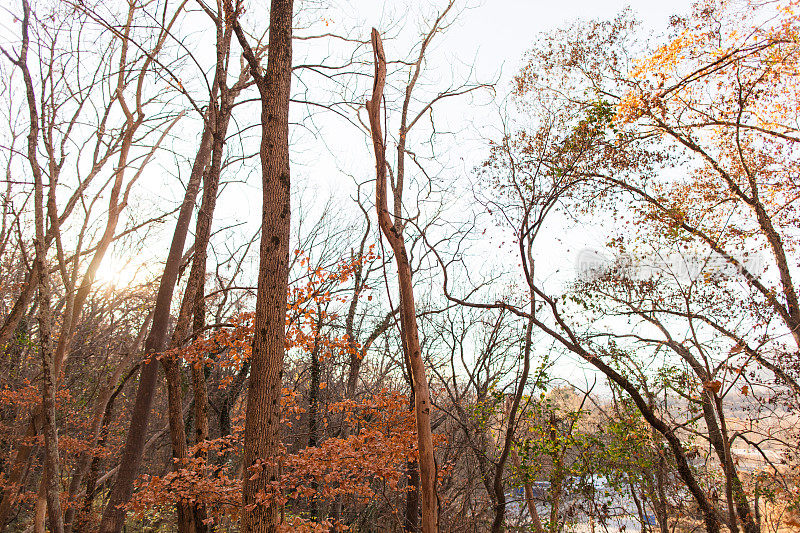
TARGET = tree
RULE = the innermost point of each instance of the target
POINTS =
(64, 95)
(422, 401)
(601, 138)
(52, 464)
(262, 427)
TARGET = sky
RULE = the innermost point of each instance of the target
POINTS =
(497, 32)
(490, 35)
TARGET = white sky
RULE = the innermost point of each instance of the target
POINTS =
(492, 35)
(497, 32)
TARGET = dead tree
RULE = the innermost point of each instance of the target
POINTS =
(422, 402)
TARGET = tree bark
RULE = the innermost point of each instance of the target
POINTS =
(260, 509)
(177, 434)
(411, 524)
(51, 474)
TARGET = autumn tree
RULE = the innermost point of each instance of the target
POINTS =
(604, 130)
(58, 103)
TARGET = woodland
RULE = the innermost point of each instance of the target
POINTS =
(265, 268)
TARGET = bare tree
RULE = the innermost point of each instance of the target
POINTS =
(422, 402)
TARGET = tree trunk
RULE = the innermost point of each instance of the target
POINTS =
(98, 421)
(40, 509)
(51, 474)
(177, 434)
(114, 517)
(313, 410)
(411, 524)
(427, 462)
(191, 516)
(82, 520)
(260, 510)
(19, 309)
(536, 523)
(508, 440)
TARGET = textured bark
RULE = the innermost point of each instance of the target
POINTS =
(427, 463)
(313, 392)
(313, 410)
(260, 512)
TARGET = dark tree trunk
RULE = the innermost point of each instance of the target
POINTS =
(411, 524)
(114, 516)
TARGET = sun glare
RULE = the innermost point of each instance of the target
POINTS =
(118, 273)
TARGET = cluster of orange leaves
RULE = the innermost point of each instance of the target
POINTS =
(304, 313)
(731, 63)
(352, 468)
(723, 44)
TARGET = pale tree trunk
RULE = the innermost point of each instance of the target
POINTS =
(40, 509)
(536, 523)
(422, 408)
(262, 415)
(51, 474)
